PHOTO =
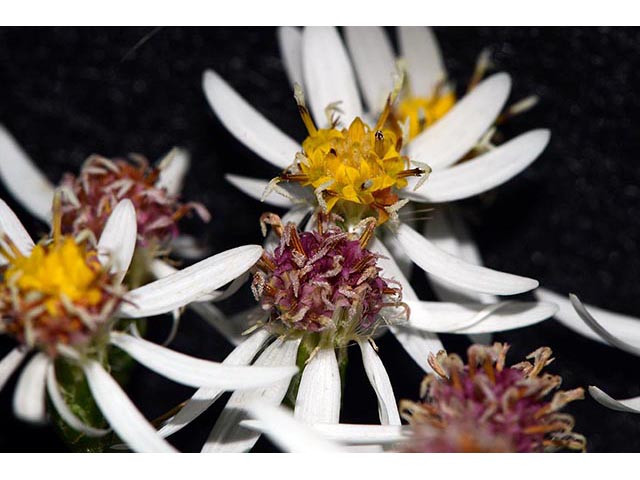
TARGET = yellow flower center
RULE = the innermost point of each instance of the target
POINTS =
(358, 164)
(422, 112)
(59, 272)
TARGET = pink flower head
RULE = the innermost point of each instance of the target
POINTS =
(322, 281)
(485, 407)
(102, 183)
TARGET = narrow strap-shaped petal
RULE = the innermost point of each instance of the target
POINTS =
(446, 229)
(374, 63)
(622, 326)
(191, 283)
(232, 327)
(255, 188)
(196, 372)
(318, 399)
(354, 434)
(63, 409)
(227, 434)
(247, 124)
(445, 142)
(467, 318)
(484, 172)
(458, 272)
(29, 396)
(9, 364)
(290, 43)
(243, 354)
(118, 239)
(630, 405)
(421, 52)
(13, 228)
(600, 330)
(418, 344)
(23, 179)
(173, 168)
(379, 378)
(328, 75)
(289, 434)
(123, 416)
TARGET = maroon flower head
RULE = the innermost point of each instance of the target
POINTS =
(91, 196)
(484, 406)
(322, 281)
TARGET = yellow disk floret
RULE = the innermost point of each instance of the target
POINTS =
(359, 164)
(422, 112)
(57, 271)
(58, 294)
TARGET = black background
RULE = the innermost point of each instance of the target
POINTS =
(569, 220)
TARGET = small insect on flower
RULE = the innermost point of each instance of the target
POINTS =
(486, 407)
(325, 281)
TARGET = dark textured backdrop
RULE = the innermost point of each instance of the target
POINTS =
(569, 220)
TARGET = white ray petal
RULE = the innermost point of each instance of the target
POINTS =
(9, 363)
(622, 326)
(379, 378)
(173, 168)
(328, 75)
(29, 396)
(374, 63)
(227, 434)
(13, 228)
(600, 330)
(290, 43)
(418, 344)
(63, 409)
(123, 416)
(477, 317)
(318, 399)
(255, 188)
(419, 47)
(191, 283)
(459, 130)
(196, 372)
(348, 433)
(484, 172)
(23, 179)
(243, 354)
(247, 124)
(289, 434)
(118, 239)
(458, 272)
(160, 269)
(446, 229)
(629, 405)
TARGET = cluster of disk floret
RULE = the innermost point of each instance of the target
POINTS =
(92, 195)
(485, 406)
(358, 167)
(58, 295)
(324, 281)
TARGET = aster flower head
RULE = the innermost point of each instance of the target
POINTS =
(485, 406)
(324, 281)
(63, 300)
(102, 183)
(356, 170)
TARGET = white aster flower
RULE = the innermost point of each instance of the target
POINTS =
(614, 329)
(61, 299)
(321, 291)
(322, 63)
